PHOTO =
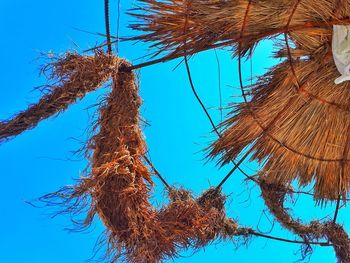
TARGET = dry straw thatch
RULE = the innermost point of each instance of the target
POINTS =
(72, 76)
(275, 195)
(297, 122)
(220, 23)
(119, 185)
(118, 190)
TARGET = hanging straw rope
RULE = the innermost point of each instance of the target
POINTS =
(135, 230)
(73, 76)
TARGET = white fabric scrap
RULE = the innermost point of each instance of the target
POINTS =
(341, 51)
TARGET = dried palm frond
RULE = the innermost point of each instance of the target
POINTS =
(297, 132)
(274, 197)
(196, 25)
(73, 76)
(119, 182)
(297, 122)
(119, 186)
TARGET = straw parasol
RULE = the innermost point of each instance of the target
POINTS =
(295, 122)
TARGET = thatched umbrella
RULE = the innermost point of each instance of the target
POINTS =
(296, 124)
(297, 121)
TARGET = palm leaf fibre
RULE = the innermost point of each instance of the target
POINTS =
(212, 22)
(72, 77)
(297, 121)
(119, 187)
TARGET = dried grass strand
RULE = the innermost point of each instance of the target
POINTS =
(274, 197)
(73, 76)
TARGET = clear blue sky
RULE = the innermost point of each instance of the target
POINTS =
(41, 160)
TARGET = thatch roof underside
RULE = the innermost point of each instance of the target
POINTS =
(299, 133)
(196, 25)
(297, 121)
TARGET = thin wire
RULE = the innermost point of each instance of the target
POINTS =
(118, 27)
(157, 173)
(289, 240)
(337, 210)
(241, 82)
(92, 33)
(219, 84)
(236, 165)
(198, 98)
(190, 77)
(108, 31)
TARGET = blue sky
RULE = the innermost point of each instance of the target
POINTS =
(41, 160)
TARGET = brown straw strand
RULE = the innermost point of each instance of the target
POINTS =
(74, 76)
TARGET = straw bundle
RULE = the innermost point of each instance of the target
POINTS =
(193, 222)
(119, 181)
(73, 76)
(297, 132)
(274, 196)
(222, 23)
(296, 124)
(119, 185)
(297, 121)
